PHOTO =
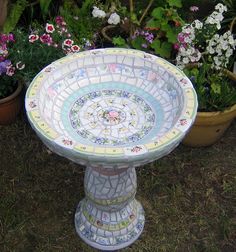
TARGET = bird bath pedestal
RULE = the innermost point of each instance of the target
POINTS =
(111, 110)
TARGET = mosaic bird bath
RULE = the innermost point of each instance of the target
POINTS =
(111, 110)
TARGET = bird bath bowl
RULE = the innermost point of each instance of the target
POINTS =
(111, 110)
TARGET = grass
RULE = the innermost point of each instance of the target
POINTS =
(189, 197)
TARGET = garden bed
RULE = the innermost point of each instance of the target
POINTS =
(188, 197)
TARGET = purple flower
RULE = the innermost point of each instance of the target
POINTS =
(4, 65)
(194, 8)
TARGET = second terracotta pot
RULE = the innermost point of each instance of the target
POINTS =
(11, 106)
(209, 127)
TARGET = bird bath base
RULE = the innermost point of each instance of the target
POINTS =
(109, 218)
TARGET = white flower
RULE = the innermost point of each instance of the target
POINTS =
(199, 55)
(228, 53)
(217, 60)
(220, 7)
(197, 24)
(98, 13)
(20, 65)
(210, 50)
(114, 19)
(185, 60)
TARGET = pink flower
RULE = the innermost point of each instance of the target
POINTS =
(113, 114)
(176, 46)
(63, 29)
(50, 28)
(33, 38)
(59, 20)
(68, 42)
(194, 8)
(75, 48)
(3, 49)
(181, 37)
(11, 37)
(46, 39)
(3, 38)
(10, 70)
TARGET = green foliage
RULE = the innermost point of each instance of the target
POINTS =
(167, 22)
(44, 6)
(7, 86)
(119, 41)
(35, 55)
(162, 48)
(14, 16)
(215, 92)
(230, 14)
(138, 42)
(79, 19)
(175, 3)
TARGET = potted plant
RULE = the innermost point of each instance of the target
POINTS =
(45, 44)
(204, 55)
(152, 29)
(11, 84)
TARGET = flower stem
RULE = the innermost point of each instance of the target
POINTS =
(131, 9)
(146, 11)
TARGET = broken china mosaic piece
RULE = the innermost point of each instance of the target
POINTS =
(111, 110)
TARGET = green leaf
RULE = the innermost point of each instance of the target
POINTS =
(153, 23)
(216, 88)
(175, 3)
(15, 13)
(195, 72)
(137, 43)
(166, 48)
(44, 6)
(134, 19)
(158, 13)
(119, 41)
(156, 45)
(163, 49)
(171, 35)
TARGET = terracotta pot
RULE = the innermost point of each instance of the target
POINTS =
(209, 127)
(11, 106)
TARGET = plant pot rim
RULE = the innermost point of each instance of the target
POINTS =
(14, 94)
(215, 113)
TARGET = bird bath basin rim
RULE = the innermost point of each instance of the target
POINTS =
(90, 153)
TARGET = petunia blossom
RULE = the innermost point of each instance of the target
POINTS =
(75, 48)
(68, 42)
(49, 28)
(10, 70)
(33, 38)
(20, 65)
(46, 39)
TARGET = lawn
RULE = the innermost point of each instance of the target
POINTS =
(189, 197)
